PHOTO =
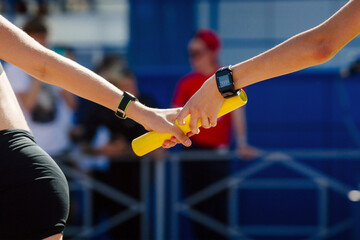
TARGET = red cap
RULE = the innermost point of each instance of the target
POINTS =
(210, 38)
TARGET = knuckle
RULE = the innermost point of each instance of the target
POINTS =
(194, 110)
(197, 109)
(192, 125)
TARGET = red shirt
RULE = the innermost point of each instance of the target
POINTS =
(215, 137)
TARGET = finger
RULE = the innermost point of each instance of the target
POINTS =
(178, 110)
(180, 136)
(168, 144)
(205, 122)
(190, 134)
(193, 124)
(174, 140)
(172, 117)
(182, 115)
(213, 121)
(147, 128)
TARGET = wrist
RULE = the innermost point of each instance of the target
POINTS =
(242, 141)
(136, 111)
(212, 89)
(126, 100)
(225, 82)
(240, 76)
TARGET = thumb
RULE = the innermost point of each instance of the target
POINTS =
(182, 115)
(185, 140)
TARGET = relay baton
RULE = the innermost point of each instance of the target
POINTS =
(153, 140)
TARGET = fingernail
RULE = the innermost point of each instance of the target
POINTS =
(187, 142)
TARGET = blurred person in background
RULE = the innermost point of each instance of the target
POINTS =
(48, 109)
(203, 50)
(309, 48)
(22, 6)
(351, 70)
(123, 172)
(116, 71)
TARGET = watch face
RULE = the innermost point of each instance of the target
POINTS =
(224, 81)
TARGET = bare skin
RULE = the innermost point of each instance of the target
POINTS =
(24, 52)
(206, 62)
(55, 237)
(306, 49)
(21, 50)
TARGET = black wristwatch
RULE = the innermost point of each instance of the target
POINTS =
(225, 82)
(123, 105)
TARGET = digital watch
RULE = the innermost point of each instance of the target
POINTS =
(225, 82)
(126, 99)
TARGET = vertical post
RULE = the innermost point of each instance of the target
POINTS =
(145, 181)
(356, 217)
(88, 205)
(160, 199)
(175, 175)
(233, 211)
(322, 207)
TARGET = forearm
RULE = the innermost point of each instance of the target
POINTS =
(75, 78)
(297, 53)
(306, 49)
(82, 82)
(21, 50)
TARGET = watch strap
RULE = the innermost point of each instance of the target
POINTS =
(124, 103)
(229, 92)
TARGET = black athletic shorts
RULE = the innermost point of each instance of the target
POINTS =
(34, 194)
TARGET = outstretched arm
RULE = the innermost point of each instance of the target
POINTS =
(306, 49)
(19, 49)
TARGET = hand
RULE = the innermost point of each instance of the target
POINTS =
(248, 152)
(116, 148)
(203, 106)
(159, 120)
(173, 141)
(87, 149)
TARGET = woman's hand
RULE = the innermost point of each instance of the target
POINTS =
(203, 106)
(159, 120)
(116, 148)
(248, 152)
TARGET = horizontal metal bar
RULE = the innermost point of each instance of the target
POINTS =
(106, 190)
(224, 183)
(107, 224)
(319, 177)
(348, 154)
(333, 230)
(303, 154)
(282, 183)
(278, 230)
(213, 224)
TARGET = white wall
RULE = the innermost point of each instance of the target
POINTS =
(88, 28)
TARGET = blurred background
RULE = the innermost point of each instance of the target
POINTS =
(289, 170)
